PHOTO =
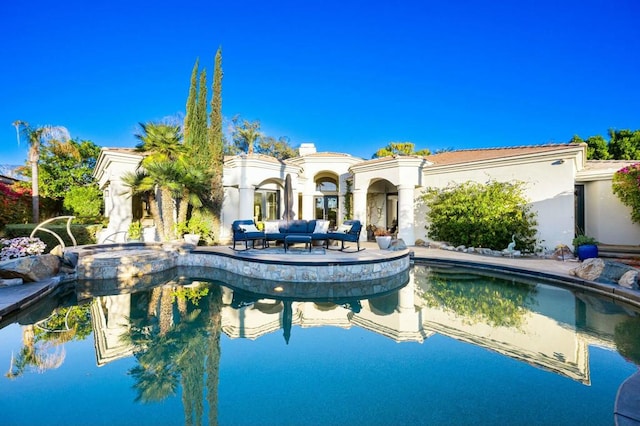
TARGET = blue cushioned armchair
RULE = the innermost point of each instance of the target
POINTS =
(241, 234)
(351, 235)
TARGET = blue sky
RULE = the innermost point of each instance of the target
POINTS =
(349, 76)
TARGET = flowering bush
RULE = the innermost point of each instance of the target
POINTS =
(626, 186)
(20, 247)
(15, 204)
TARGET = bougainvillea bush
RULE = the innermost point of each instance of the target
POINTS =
(15, 204)
(626, 186)
(20, 247)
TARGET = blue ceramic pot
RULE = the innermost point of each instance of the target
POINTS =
(587, 251)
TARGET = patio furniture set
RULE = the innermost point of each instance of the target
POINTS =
(295, 231)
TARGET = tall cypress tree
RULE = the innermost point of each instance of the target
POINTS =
(191, 103)
(216, 137)
(198, 132)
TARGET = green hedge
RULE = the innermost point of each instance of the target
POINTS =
(84, 234)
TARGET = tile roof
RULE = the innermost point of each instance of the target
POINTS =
(608, 164)
(471, 155)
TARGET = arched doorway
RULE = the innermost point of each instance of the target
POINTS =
(382, 207)
(325, 200)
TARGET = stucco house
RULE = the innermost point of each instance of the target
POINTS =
(567, 192)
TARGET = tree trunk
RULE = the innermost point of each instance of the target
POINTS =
(155, 214)
(35, 193)
(184, 207)
(167, 214)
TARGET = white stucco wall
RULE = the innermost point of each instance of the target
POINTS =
(111, 166)
(549, 189)
(606, 218)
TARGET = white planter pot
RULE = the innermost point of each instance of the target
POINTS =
(383, 242)
(192, 239)
(149, 234)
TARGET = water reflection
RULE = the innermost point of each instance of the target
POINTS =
(546, 326)
(172, 325)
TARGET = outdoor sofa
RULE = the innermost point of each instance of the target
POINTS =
(349, 231)
(278, 230)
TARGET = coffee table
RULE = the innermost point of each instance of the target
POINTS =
(290, 239)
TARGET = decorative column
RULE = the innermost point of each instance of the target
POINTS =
(360, 210)
(307, 206)
(405, 214)
(245, 202)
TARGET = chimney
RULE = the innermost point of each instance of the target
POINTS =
(307, 148)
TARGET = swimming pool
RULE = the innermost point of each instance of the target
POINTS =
(451, 346)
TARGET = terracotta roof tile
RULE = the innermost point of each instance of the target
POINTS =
(470, 155)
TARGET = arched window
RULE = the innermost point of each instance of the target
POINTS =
(326, 184)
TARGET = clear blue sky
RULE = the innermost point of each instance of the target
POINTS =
(348, 76)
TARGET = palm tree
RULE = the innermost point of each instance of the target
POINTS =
(141, 183)
(167, 168)
(194, 184)
(36, 137)
(246, 133)
(160, 141)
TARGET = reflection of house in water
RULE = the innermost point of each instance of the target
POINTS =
(110, 316)
(549, 335)
(543, 339)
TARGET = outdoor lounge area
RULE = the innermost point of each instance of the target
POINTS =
(287, 232)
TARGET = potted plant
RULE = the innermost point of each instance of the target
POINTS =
(383, 237)
(193, 229)
(134, 234)
(585, 247)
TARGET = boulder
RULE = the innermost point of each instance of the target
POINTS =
(397, 245)
(629, 280)
(32, 268)
(590, 269)
(608, 272)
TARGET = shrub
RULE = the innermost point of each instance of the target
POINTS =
(84, 201)
(481, 215)
(626, 186)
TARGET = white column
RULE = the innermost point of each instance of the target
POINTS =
(245, 202)
(405, 214)
(307, 207)
(360, 210)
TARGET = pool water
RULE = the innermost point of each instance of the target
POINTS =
(452, 346)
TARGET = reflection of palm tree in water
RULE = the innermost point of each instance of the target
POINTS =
(35, 353)
(181, 350)
(213, 352)
(42, 342)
